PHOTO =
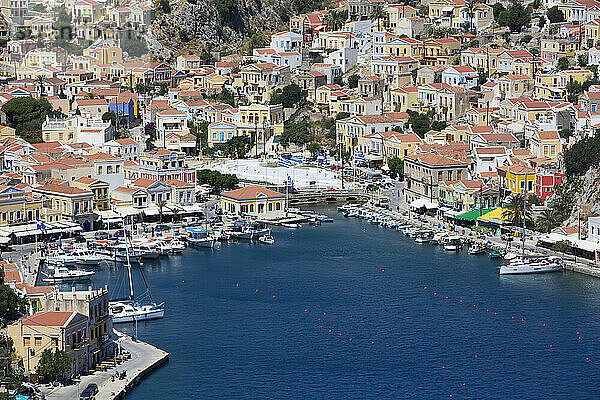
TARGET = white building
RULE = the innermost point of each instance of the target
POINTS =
(286, 41)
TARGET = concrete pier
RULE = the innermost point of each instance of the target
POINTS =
(145, 358)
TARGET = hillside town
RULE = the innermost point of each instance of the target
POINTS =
(461, 106)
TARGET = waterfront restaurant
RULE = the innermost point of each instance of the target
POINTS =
(255, 201)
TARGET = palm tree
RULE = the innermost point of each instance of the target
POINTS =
(513, 210)
(470, 7)
(547, 221)
(378, 13)
(161, 205)
(39, 81)
(175, 211)
(335, 20)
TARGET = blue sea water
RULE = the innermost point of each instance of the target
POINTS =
(229, 338)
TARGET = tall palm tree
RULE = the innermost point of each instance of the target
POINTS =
(39, 81)
(470, 7)
(547, 221)
(378, 13)
(335, 20)
(514, 210)
(161, 204)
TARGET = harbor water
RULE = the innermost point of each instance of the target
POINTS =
(251, 321)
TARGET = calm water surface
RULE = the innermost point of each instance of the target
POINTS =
(229, 341)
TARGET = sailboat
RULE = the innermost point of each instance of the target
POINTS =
(522, 264)
(129, 310)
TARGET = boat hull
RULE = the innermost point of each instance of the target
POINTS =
(141, 316)
(529, 269)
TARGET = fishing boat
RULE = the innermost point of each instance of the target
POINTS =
(199, 237)
(476, 249)
(64, 274)
(86, 257)
(452, 243)
(531, 265)
(130, 310)
(266, 239)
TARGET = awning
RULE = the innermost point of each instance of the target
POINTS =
(418, 203)
(495, 217)
(474, 214)
(447, 9)
(430, 205)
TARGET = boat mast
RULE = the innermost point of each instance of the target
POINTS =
(128, 263)
(524, 211)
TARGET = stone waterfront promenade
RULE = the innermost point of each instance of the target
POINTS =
(144, 359)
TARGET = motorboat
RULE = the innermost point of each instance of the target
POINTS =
(476, 249)
(452, 243)
(200, 237)
(131, 311)
(177, 246)
(146, 250)
(324, 218)
(424, 237)
(291, 225)
(266, 239)
(64, 274)
(86, 257)
(59, 257)
(531, 265)
(438, 238)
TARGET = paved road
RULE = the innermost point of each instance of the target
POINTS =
(143, 355)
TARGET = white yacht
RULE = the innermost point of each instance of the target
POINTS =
(131, 311)
(59, 257)
(86, 257)
(63, 274)
(531, 265)
(177, 246)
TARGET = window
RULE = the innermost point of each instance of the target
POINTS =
(26, 341)
(270, 207)
(37, 341)
(278, 206)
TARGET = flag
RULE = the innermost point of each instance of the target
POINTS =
(283, 162)
(359, 157)
(290, 181)
(321, 158)
(60, 241)
(40, 225)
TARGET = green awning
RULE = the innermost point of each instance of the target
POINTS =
(474, 214)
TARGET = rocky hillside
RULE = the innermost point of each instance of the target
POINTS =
(186, 26)
(586, 202)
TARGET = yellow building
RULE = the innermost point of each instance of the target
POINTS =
(16, 207)
(545, 144)
(98, 188)
(54, 330)
(517, 179)
(405, 98)
(254, 200)
(73, 203)
(104, 54)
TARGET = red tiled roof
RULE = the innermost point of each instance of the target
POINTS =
(251, 192)
(49, 318)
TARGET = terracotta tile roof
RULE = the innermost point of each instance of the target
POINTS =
(434, 159)
(143, 182)
(490, 150)
(49, 318)
(251, 192)
(125, 141)
(548, 135)
(62, 189)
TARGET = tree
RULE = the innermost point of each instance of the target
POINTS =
(27, 114)
(237, 147)
(562, 246)
(314, 148)
(526, 39)
(396, 167)
(54, 364)
(518, 16)
(227, 10)
(555, 15)
(161, 205)
(290, 96)
(12, 306)
(353, 81)
(582, 60)
(336, 19)
(39, 83)
(542, 22)
(582, 155)
(217, 180)
(378, 13)
(420, 123)
(297, 133)
(439, 125)
(257, 41)
(503, 18)
(470, 9)
(547, 221)
(565, 133)
(110, 116)
(498, 9)
(514, 211)
(175, 212)
(338, 80)
(534, 200)
(562, 63)
(164, 6)
(140, 88)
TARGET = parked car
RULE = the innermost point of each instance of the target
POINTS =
(121, 232)
(101, 235)
(89, 392)
(162, 227)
